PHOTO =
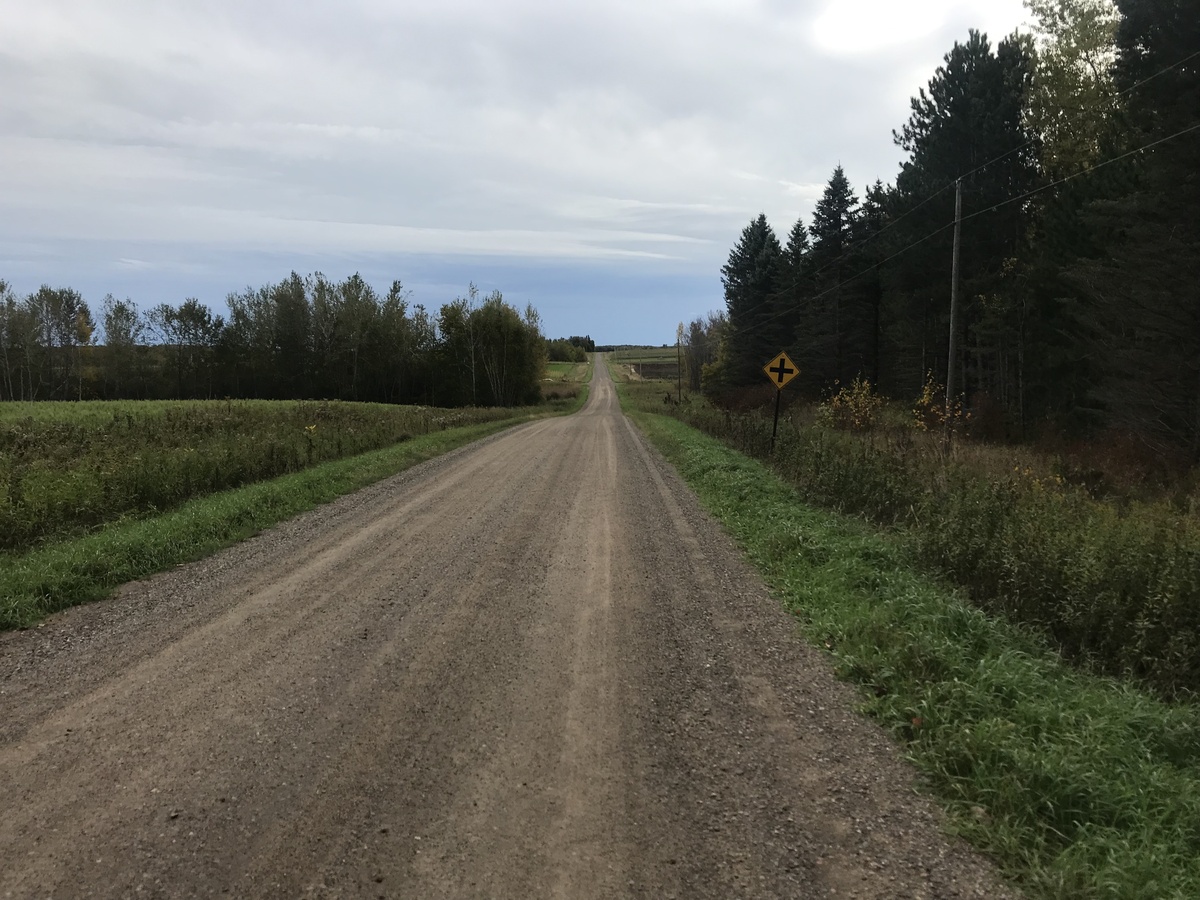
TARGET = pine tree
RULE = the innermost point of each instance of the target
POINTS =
(821, 334)
(795, 288)
(970, 123)
(1142, 285)
(751, 279)
(867, 289)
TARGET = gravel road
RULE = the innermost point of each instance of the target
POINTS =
(530, 668)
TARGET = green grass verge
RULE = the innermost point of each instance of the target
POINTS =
(81, 570)
(1079, 786)
(1114, 583)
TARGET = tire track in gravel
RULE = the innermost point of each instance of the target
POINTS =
(531, 668)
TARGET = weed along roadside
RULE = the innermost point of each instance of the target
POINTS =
(81, 531)
(1079, 785)
(68, 468)
(1114, 583)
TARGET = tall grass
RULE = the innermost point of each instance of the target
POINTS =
(1081, 786)
(1115, 585)
(566, 380)
(66, 468)
(85, 568)
(171, 448)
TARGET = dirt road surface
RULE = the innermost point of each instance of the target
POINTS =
(531, 668)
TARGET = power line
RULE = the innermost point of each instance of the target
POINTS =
(1031, 143)
(844, 255)
(894, 222)
(849, 280)
(1163, 71)
(1086, 171)
(948, 225)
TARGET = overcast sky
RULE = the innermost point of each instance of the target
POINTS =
(598, 159)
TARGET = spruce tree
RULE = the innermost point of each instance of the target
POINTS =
(795, 288)
(822, 326)
(1143, 284)
(969, 123)
(751, 279)
(866, 292)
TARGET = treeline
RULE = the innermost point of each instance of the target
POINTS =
(570, 349)
(1077, 149)
(303, 338)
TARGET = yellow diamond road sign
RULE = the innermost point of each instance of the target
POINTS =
(781, 370)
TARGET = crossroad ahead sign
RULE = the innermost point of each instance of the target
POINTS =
(781, 370)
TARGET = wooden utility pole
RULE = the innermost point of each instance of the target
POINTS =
(679, 361)
(952, 365)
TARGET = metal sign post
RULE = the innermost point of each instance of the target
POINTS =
(780, 370)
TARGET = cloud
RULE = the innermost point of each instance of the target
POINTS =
(860, 27)
(623, 132)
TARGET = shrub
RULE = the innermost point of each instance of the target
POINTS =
(1116, 586)
(855, 407)
(88, 464)
(930, 412)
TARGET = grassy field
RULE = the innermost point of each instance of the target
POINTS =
(644, 355)
(566, 381)
(1079, 786)
(645, 364)
(568, 372)
(69, 467)
(94, 494)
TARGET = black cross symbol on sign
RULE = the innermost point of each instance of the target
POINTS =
(781, 371)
